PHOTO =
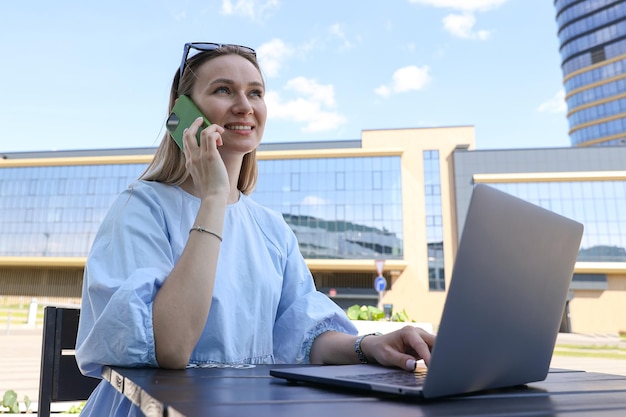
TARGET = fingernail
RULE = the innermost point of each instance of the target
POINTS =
(410, 364)
(185, 130)
(199, 118)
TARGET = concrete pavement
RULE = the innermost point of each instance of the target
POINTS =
(20, 353)
(20, 356)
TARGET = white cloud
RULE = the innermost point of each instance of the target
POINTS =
(462, 26)
(383, 91)
(464, 5)
(272, 55)
(554, 105)
(411, 78)
(253, 9)
(337, 31)
(324, 94)
(312, 107)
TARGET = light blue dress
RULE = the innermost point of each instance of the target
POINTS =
(265, 308)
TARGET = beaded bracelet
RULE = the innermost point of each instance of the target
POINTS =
(203, 230)
(357, 346)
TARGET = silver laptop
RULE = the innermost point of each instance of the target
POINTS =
(503, 310)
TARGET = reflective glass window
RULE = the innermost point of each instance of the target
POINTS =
(347, 208)
(568, 10)
(56, 211)
(596, 94)
(434, 223)
(599, 111)
(599, 131)
(595, 75)
(595, 204)
(588, 41)
(591, 21)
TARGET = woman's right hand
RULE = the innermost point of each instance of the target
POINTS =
(203, 161)
(185, 296)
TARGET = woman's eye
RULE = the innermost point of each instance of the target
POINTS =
(257, 93)
(222, 90)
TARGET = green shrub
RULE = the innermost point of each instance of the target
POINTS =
(9, 400)
(11, 405)
(357, 312)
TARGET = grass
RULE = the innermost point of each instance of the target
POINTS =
(584, 347)
(601, 351)
(589, 354)
(18, 314)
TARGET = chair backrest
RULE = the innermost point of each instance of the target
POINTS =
(59, 377)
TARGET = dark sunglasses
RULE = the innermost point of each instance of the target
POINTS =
(203, 47)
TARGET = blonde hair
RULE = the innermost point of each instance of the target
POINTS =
(168, 164)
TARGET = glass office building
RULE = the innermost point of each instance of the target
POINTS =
(592, 38)
(395, 195)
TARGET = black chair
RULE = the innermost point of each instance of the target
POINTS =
(59, 377)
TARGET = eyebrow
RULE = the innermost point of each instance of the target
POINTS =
(231, 82)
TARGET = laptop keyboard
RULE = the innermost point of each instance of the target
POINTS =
(403, 378)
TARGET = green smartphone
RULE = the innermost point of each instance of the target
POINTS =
(184, 113)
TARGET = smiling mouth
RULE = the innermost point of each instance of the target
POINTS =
(239, 127)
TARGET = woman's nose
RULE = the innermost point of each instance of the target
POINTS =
(242, 105)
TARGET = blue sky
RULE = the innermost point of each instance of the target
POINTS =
(96, 74)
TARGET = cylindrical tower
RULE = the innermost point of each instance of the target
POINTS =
(592, 38)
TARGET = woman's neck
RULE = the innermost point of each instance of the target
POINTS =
(189, 187)
(233, 170)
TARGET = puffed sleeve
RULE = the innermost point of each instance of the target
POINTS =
(130, 258)
(303, 312)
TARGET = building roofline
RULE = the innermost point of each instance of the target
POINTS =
(266, 146)
(72, 153)
(420, 128)
(553, 148)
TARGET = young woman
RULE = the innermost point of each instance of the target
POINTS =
(186, 269)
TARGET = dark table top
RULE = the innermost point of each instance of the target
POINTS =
(253, 392)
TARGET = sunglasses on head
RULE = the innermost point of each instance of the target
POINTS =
(204, 47)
